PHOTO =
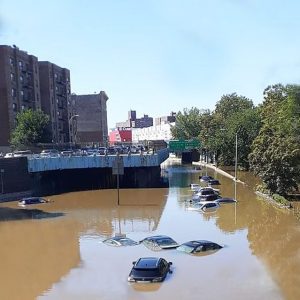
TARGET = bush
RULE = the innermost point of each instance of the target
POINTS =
(280, 199)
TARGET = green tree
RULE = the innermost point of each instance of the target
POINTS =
(189, 123)
(31, 129)
(233, 114)
(275, 154)
(231, 104)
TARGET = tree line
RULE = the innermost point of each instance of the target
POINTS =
(268, 135)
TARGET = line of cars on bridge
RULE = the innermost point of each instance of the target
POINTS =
(46, 153)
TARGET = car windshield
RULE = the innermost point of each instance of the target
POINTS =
(165, 241)
(185, 248)
(127, 242)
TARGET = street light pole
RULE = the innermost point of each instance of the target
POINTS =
(70, 139)
(236, 155)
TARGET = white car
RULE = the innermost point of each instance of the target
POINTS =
(204, 206)
(195, 186)
(49, 153)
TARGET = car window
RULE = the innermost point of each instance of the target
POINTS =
(199, 249)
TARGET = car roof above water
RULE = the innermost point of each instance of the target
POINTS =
(147, 263)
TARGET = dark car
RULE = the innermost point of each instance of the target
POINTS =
(213, 182)
(149, 269)
(205, 178)
(31, 200)
(194, 247)
(118, 241)
(207, 194)
(158, 242)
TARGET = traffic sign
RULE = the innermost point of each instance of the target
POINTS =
(181, 145)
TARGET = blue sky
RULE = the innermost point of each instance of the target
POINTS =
(158, 56)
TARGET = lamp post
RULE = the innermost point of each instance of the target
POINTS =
(70, 120)
(236, 155)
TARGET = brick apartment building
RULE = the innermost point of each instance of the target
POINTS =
(91, 123)
(26, 83)
(19, 88)
(55, 94)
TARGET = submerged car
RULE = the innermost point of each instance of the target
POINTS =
(194, 247)
(205, 178)
(149, 269)
(31, 200)
(118, 241)
(208, 194)
(213, 182)
(204, 206)
(159, 242)
(195, 186)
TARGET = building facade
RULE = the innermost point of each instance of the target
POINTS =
(134, 122)
(120, 136)
(19, 88)
(91, 118)
(152, 133)
(55, 90)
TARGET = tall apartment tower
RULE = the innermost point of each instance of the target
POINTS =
(91, 120)
(19, 88)
(55, 95)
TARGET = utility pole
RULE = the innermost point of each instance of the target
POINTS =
(118, 169)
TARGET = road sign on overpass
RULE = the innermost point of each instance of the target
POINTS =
(181, 145)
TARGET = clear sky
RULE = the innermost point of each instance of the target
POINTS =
(158, 56)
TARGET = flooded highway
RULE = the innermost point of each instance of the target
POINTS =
(55, 250)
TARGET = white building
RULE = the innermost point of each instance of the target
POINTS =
(156, 132)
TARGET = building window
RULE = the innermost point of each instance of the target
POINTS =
(22, 93)
(55, 75)
(12, 76)
(14, 106)
(21, 78)
(20, 64)
(23, 107)
(13, 92)
(11, 61)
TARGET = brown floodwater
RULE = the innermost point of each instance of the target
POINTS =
(55, 250)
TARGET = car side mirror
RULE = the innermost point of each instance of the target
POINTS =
(170, 263)
(133, 262)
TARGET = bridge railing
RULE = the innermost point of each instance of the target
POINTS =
(38, 164)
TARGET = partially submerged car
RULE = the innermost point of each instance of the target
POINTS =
(205, 178)
(149, 269)
(31, 200)
(119, 241)
(158, 242)
(213, 182)
(204, 206)
(195, 186)
(208, 194)
(194, 247)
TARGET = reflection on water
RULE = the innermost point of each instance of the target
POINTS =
(64, 257)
